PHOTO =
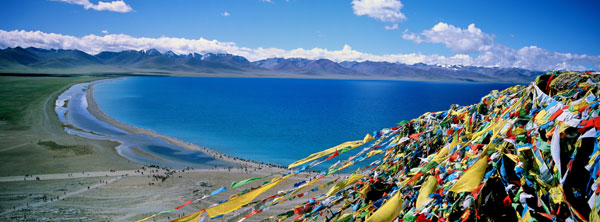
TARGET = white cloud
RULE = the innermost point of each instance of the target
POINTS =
(489, 53)
(533, 57)
(530, 57)
(468, 40)
(391, 27)
(383, 10)
(114, 6)
(225, 14)
(104, 32)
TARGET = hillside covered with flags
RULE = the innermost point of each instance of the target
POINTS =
(527, 153)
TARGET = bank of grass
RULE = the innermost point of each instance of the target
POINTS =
(18, 94)
(77, 149)
(33, 140)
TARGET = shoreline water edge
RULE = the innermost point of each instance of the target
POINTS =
(80, 115)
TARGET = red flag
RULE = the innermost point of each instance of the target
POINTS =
(186, 203)
(333, 155)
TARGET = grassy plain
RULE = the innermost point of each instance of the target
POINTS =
(33, 140)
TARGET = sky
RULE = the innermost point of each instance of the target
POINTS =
(531, 34)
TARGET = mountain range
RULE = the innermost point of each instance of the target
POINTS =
(152, 62)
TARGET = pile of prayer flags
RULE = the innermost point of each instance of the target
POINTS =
(526, 153)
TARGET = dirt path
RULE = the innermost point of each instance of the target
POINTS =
(48, 107)
(59, 176)
(13, 147)
(41, 203)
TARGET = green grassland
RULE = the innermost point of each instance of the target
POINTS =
(19, 94)
(33, 141)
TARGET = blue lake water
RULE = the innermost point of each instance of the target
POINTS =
(275, 120)
(136, 147)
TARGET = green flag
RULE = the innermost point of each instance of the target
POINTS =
(243, 182)
(402, 122)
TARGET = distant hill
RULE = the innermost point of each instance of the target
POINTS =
(153, 62)
(306, 66)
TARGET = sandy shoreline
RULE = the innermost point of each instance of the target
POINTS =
(95, 110)
(105, 186)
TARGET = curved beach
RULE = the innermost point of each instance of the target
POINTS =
(94, 109)
(100, 184)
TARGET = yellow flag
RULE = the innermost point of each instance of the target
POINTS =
(481, 132)
(345, 217)
(368, 138)
(512, 157)
(580, 105)
(540, 117)
(441, 155)
(472, 178)
(389, 210)
(347, 164)
(374, 152)
(275, 179)
(145, 219)
(426, 189)
(454, 141)
(594, 215)
(339, 186)
(314, 156)
(322, 186)
(499, 125)
(192, 217)
(525, 217)
(365, 190)
(241, 200)
(556, 195)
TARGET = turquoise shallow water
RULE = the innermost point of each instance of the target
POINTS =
(275, 120)
(88, 126)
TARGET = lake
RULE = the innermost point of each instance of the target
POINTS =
(275, 120)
